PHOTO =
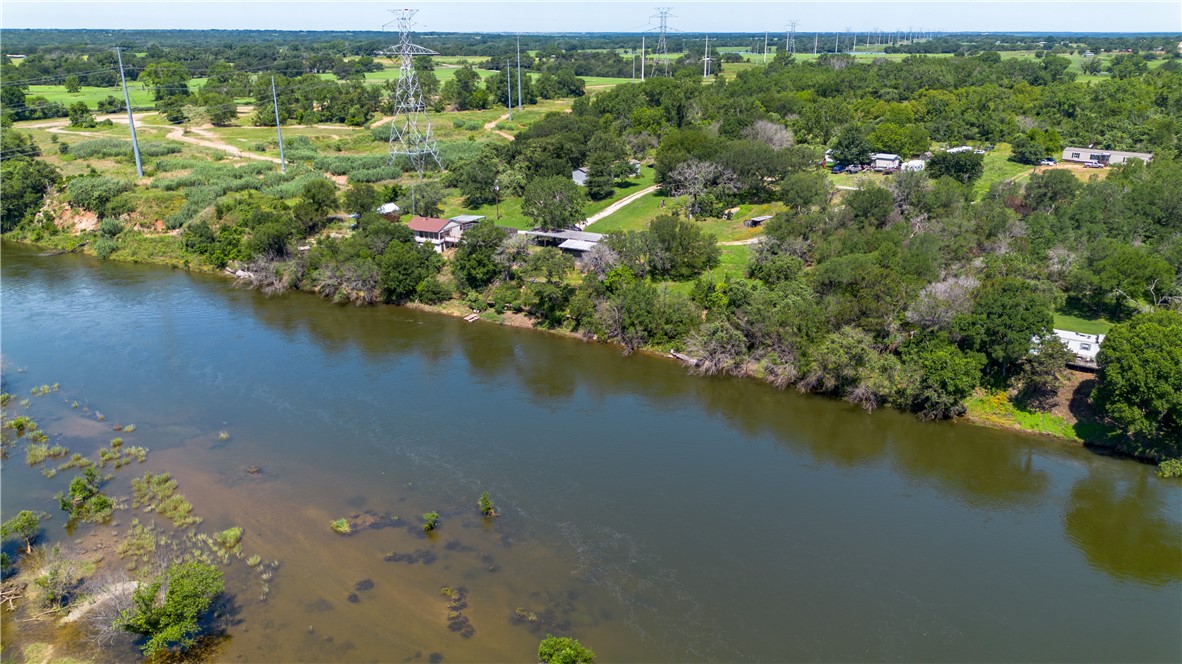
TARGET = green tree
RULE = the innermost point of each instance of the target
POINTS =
(545, 272)
(167, 609)
(321, 194)
(553, 202)
(167, 79)
(475, 179)
(25, 525)
(221, 109)
(474, 263)
(80, 115)
(801, 191)
(26, 181)
(851, 146)
(1027, 151)
(72, 84)
(1114, 276)
(1042, 374)
(964, 167)
(424, 199)
(361, 198)
(403, 266)
(564, 650)
(945, 377)
(1006, 315)
(681, 249)
(1141, 379)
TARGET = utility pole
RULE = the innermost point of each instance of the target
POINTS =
(765, 48)
(706, 59)
(519, 72)
(278, 127)
(816, 38)
(135, 144)
(509, 87)
(836, 41)
(642, 63)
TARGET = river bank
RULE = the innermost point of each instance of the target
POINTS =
(983, 409)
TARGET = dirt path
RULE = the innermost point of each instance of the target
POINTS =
(211, 141)
(616, 207)
(491, 125)
(738, 243)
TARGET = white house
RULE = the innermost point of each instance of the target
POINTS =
(885, 161)
(1085, 346)
(1106, 157)
(914, 165)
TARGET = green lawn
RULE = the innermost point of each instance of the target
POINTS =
(139, 95)
(632, 217)
(998, 168)
(1065, 321)
(733, 263)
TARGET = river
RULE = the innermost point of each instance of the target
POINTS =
(653, 515)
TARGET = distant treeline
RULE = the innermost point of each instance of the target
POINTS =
(366, 42)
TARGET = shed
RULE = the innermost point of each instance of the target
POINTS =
(757, 221)
(577, 247)
(579, 176)
(914, 165)
(389, 210)
(885, 161)
(466, 221)
(962, 148)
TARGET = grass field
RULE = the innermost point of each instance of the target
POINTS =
(998, 168)
(633, 217)
(1067, 321)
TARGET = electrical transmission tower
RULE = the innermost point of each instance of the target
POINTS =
(410, 128)
(792, 35)
(661, 53)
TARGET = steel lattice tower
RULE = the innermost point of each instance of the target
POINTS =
(662, 49)
(410, 128)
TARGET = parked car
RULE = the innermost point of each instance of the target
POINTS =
(1047, 162)
(1093, 164)
(853, 168)
(837, 169)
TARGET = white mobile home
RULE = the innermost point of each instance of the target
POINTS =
(1106, 157)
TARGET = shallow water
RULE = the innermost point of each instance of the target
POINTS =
(653, 515)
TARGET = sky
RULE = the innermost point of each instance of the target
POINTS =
(618, 16)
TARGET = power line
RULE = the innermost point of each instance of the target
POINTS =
(407, 137)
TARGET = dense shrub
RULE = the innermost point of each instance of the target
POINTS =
(95, 192)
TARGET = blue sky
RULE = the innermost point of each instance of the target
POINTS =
(620, 16)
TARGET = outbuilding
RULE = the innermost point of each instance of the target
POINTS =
(885, 161)
(914, 165)
(579, 176)
(1085, 347)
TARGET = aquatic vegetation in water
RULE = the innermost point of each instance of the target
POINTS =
(5, 397)
(140, 542)
(116, 443)
(341, 526)
(129, 428)
(457, 602)
(38, 452)
(363, 585)
(151, 490)
(486, 505)
(254, 470)
(44, 389)
(85, 501)
(230, 537)
(430, 521)
(554, 649)
(223, 435)
(254, 561)
(179, 511)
